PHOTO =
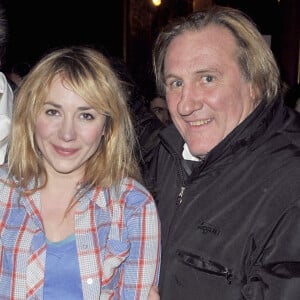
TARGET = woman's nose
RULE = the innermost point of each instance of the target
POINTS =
(67, 130)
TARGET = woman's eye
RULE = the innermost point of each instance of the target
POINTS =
(87, 116)
(52, 112)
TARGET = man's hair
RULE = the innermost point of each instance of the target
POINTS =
(254, 56)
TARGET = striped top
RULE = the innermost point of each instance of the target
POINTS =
(117, 238)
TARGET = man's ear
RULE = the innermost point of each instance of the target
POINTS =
(252, 92)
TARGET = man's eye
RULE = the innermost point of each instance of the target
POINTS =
(177, 83)
(158, 110)
(173, 84)
(208, 78)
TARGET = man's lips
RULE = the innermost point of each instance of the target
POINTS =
(200, 122)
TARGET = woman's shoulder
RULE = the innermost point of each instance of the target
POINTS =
(3, 173)
(131, 184)
(132, 191)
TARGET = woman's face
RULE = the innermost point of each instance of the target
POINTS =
(68, 130)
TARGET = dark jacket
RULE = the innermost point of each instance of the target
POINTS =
(231, 229)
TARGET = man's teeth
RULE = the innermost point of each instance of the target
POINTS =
(200, 122)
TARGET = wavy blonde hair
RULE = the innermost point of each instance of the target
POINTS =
(89, 74)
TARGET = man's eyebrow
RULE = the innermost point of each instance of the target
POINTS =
(170, 76)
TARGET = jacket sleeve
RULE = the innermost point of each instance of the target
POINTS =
(275, 269)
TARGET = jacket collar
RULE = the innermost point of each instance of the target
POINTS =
(250, 133)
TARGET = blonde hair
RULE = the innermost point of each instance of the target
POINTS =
(89, 74)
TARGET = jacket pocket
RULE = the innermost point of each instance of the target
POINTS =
(204, 265)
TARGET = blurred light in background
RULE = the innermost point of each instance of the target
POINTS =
(156, 2)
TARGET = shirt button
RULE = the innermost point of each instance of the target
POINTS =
(89, 281)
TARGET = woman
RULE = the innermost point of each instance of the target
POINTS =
(76, 223)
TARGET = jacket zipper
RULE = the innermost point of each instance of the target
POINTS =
(180, 196)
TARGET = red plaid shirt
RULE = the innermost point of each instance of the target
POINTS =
(117, 238)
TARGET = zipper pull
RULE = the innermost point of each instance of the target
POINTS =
(179, 198)
(228, 276)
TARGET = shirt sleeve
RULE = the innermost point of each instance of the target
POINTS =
(139, 248)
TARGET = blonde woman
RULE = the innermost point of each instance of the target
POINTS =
(76, 222)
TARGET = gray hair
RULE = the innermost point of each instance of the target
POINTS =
(254, 56)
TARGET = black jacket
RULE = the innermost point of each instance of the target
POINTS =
(231, 229)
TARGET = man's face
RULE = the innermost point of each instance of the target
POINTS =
(206, 93)
(159, 107)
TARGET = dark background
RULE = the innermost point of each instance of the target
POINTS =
(39, 26)
(126, 29)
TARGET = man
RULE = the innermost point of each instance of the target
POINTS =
(227, 171)
(159, 107)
